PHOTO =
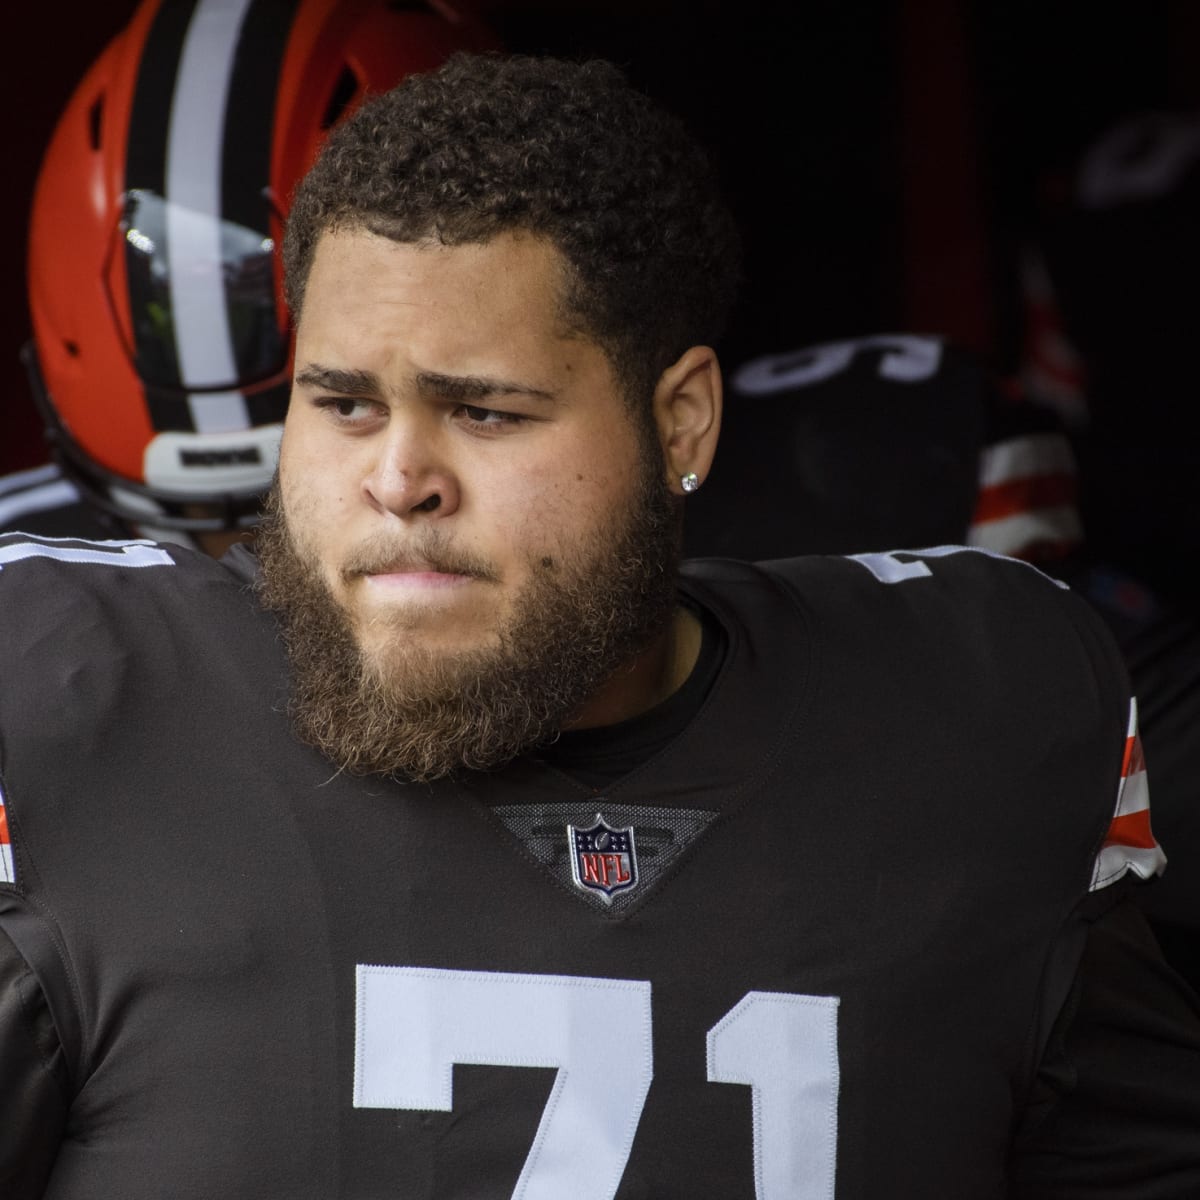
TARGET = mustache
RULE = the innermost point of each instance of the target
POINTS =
(430, 551)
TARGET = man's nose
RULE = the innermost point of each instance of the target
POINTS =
(410, 475)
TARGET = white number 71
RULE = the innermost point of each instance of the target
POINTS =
(414, 1024)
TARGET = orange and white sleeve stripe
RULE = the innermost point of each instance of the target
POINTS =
(1130, 844)
(7, 875)
(1027, 505)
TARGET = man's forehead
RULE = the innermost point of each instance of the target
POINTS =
(491, 313)
(509, 247)
(512, 272)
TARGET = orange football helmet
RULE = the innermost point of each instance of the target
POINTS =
(161, 345)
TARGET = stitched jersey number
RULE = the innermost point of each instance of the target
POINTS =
(137, 553)
(887, 568)
(784, 1048)
(1142, 158)
(906, 358)
(413, 1024)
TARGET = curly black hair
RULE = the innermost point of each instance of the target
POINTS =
(566, 151)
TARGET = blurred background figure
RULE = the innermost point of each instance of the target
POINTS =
(1109, 283)
(882, 441)
(845, 447)
(161, 347)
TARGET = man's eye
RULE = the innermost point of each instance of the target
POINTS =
(345, 407)
(487, 416)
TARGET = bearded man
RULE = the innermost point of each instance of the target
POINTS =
(465, 846)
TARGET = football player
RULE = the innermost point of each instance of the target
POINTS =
(161, 346)
(460, 844)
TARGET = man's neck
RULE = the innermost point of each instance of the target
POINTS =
(658, 672)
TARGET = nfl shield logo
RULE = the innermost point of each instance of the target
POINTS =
(603, 859)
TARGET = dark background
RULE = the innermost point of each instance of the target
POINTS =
(884, 158)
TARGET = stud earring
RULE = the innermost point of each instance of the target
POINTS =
(689, 482)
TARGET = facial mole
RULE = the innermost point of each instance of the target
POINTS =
(578, 478)
(547, 563)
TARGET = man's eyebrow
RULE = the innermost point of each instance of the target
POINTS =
(465, 388)
(338, 379)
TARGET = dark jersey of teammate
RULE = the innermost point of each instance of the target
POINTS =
(844, 447)
(856, 929)
(47, 503)
(42, 500)
(875, 442)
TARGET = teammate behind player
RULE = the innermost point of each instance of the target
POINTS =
(161, 345)
(585, 876)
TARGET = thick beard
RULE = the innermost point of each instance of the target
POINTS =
(415, 714)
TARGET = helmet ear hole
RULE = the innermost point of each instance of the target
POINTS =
(344, 91)
(95, 122)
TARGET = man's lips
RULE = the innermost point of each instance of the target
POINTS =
(409, 568)
(415, 578)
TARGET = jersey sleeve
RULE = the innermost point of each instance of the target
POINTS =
(33, 1079)
(1115, 1109)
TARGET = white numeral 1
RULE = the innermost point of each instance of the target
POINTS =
(784, 1047)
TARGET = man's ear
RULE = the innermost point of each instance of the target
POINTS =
(687, 414)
